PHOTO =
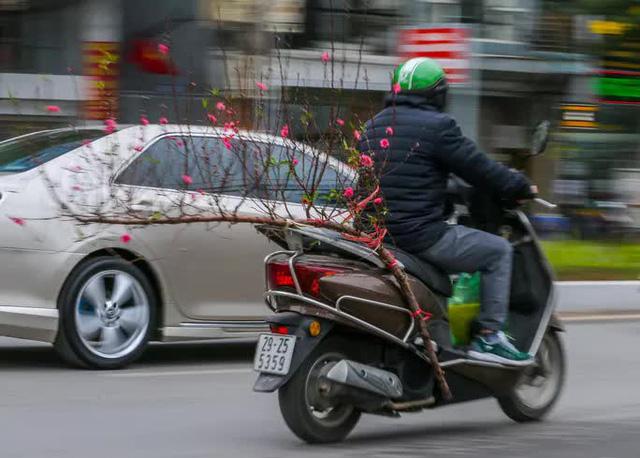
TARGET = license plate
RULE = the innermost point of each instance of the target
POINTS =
(274, 353)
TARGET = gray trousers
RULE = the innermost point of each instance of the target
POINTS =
(462, 249)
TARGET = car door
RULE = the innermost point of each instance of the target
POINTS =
(221, 269)
(213, 270)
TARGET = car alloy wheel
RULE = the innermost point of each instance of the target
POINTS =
(112, 314)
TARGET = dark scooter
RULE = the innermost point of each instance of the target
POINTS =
(343, 342)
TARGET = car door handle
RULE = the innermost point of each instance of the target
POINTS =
(142, 205)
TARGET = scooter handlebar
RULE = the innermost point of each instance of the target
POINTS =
(544, 203)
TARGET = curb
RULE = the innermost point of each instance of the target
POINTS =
(589, 316)
(596, 296)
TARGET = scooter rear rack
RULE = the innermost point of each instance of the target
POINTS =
(337, 311)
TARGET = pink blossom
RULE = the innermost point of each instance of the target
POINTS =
(75, 187)
(18, 221)
(357, 135)
(396, 88)
(138, 148)
(220, 106)
(366, 161)
(284, 132)
(340, 122)
(186, 179)
(144, 121)
(86, 142)
(227, 142)
(212, 118)
(377, 200)
(53, 108)
(261, 86)
(200, 191)
(110, 125)
(178, 141)
(389, 131)
(163, 49)
(125, 238)
(348, 193)
(163, 121)
(384, 143)
(325, 57)
(295, 162)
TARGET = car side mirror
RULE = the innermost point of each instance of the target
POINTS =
(540, 139)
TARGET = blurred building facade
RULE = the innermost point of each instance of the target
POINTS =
(46, 45)
(526, 58)
(43, 46)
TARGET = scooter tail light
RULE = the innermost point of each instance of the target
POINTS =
(279, 275)
(308, 275)
(279, 329)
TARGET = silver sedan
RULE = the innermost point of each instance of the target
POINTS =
(100, 292)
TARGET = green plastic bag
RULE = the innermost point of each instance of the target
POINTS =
(464, 306)
(466, 290)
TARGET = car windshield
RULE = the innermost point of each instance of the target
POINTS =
(24, 153)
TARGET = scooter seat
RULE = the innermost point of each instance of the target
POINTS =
(433, 277)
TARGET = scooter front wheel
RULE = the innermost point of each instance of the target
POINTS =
(539, 387)
(304, 411)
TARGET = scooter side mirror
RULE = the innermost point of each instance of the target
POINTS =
(540, 138)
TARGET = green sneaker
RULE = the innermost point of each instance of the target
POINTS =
(496, 348)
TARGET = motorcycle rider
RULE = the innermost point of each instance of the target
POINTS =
(415, 145)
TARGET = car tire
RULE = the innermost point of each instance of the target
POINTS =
(95, 331)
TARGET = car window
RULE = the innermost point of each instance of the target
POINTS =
(293, 173)
(29, 151)
(212, 166)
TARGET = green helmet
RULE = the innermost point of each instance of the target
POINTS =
(422, 75)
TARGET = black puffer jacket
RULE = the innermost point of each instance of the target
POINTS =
(424, 148)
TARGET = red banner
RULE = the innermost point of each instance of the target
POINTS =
(450, 46)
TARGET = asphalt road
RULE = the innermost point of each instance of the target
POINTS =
(196, 401)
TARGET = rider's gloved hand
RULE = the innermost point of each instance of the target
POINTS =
(533, 192)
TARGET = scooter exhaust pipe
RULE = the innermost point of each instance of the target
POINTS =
(367, 378)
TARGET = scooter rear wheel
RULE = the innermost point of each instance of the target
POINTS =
(298, 399)
(539, 387)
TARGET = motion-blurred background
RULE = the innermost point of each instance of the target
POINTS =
(512, 62)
